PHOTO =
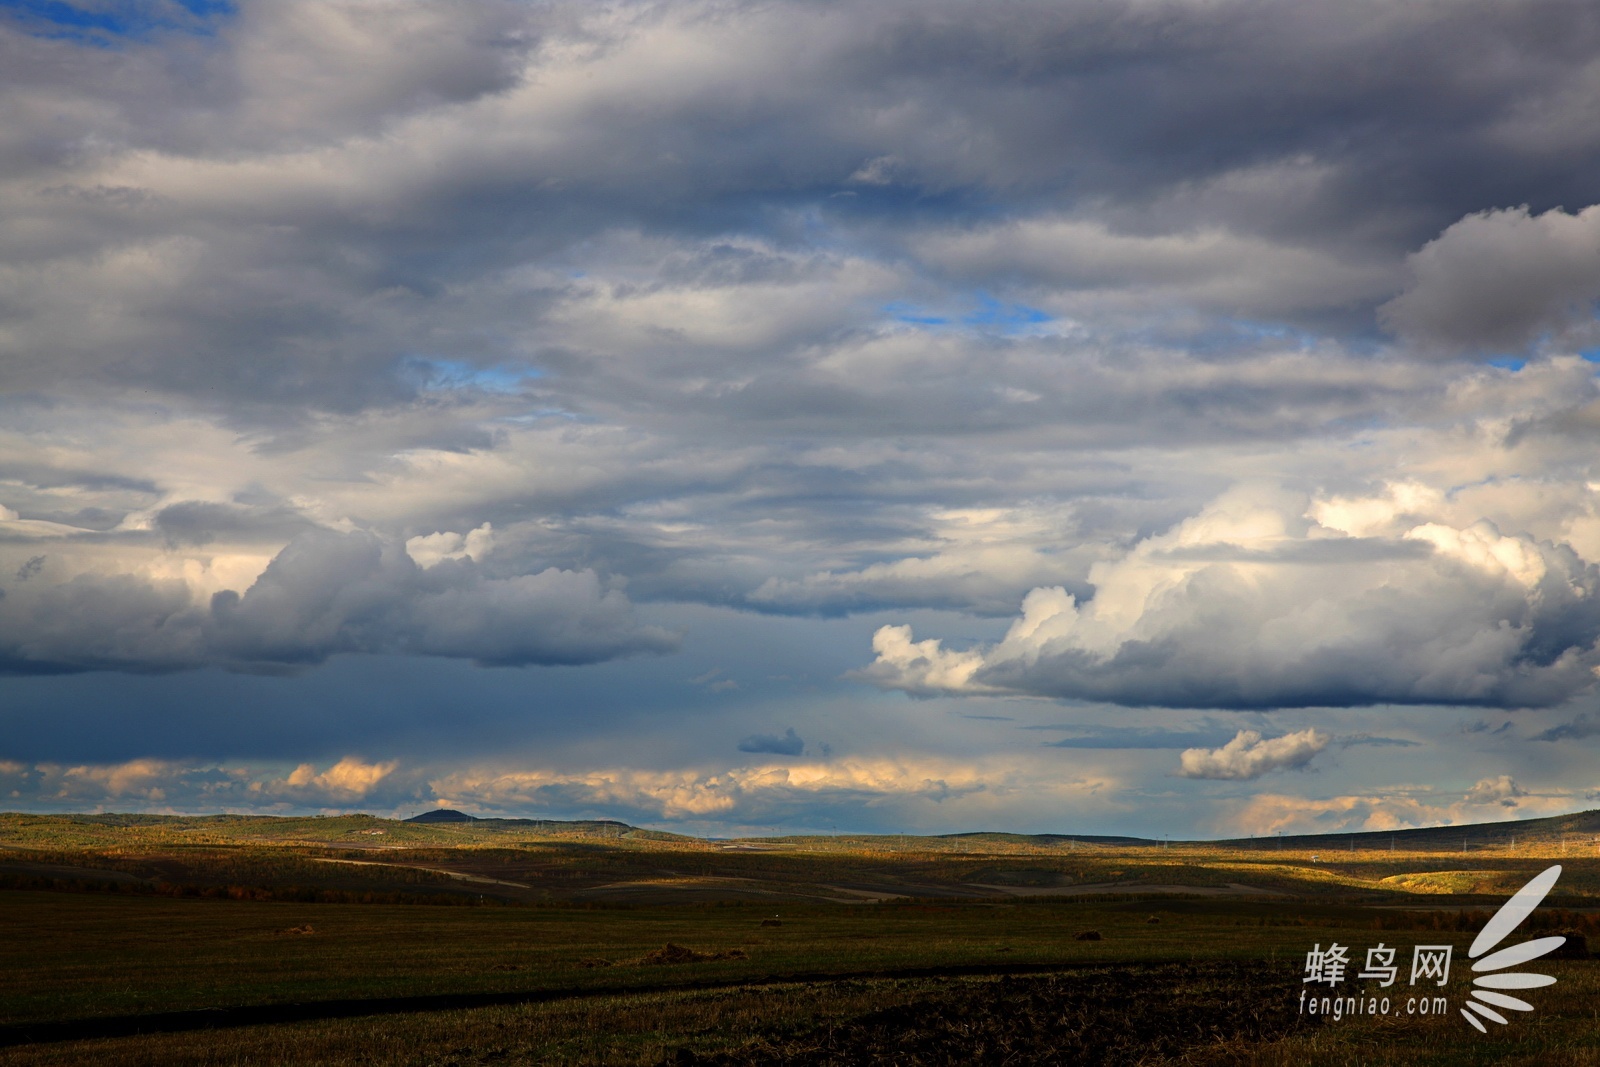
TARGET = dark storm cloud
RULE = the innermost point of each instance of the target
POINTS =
(1137, 737)
(324, 594)
(1372, 739)
(1499, 280)
(97, 623)
(198, 523)
(786, 744)
(1580, 727)
(287, 210)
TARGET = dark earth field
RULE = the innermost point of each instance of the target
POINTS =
(353, 940)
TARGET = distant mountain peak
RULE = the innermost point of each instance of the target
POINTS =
(443, 815)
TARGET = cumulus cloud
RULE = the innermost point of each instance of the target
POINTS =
(196, 786)
(900, 792)
(746, 794)
(1499, 280)
(1254, 603)
(1502, 790)
(350, 777)
(99, 622)
(325, 593)
(352, 593)
(1397, 808)
(921, 668)
(1250, 756)
(144, 779)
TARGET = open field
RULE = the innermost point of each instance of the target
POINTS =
(318, 941)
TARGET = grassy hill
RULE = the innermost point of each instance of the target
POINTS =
(355, 940)
(539, 861)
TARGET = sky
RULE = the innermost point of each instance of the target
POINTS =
(1157, 417)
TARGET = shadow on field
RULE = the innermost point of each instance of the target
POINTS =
(1125, 1015)
(347, 1008)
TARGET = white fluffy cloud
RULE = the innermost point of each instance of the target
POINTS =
(921, 786)
(187, 786)
(1260, 601)
(429, 550)
(1248, 756)
(921, 789)
(350, 778)
(1395, 807)
(1501, 789)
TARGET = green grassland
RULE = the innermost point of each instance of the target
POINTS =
(799, 949)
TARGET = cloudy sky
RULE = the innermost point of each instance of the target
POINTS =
(1103, 416)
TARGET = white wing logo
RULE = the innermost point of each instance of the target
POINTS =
(1507, 919)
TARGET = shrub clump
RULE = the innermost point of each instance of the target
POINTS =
(1575, 948)
(670, 953)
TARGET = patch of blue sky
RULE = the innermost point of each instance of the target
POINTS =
(1005, 317)
(1510, 363)
(901, 201)
(903, 312)
(438, 373)
(989, 315)
(1590, 355)
(1275, 331)
(106, 22)
(529, 417)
